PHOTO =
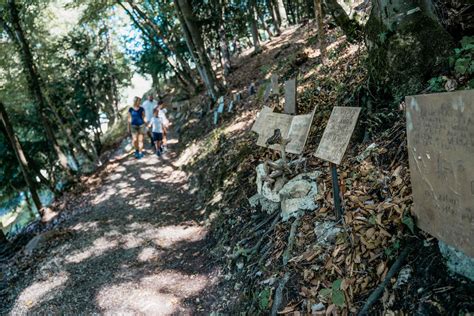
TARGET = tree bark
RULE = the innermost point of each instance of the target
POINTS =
(414, 47)
(34, 81)
(223, 44)
(252, 17)
(195, 42)
(23, 160)
(350, 27)
(271, 10)
(282, 13)
(322, 41)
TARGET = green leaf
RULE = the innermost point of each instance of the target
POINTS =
(336, 285)
(408, 220)
(264, 298)
(325, 292)
(338, 298)
(462, 65)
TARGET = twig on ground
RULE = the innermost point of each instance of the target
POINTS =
(279, 293)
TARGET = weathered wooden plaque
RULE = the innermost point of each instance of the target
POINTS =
(337, 134)
(294, 127)
(290, 96)
(299, 131)
(220, 108)
(274, 82)
(266, 94)
(440, 130)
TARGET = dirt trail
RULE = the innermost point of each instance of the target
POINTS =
(138, 249)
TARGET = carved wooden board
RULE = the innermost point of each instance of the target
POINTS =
(294, 127)
(440, 131)
(290, 96)
(337, 134)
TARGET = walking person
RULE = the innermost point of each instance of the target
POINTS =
(149, 106)
(156, 127)
(165, 122)
(136, 126)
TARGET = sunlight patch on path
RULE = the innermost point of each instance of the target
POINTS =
(160, 294)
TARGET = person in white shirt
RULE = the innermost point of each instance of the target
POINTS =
(164, 119)
(149, 106)
(157, 127)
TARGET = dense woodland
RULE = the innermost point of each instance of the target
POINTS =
(61, 78)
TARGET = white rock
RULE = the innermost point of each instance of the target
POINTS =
(457, 261)
(298, 194)
(326, 232)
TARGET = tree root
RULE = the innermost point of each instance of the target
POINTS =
(279, 293)
(291, 241)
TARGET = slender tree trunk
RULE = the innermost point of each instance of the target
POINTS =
(33, 79)
(271, 10)
(282, 13)
(20, 156)
(252, 16)
(193, 33)
(322, 40)
(223, 45)
(186, 81)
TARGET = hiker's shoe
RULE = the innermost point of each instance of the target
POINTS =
(136, 154)
(140, 155)
(158, 153)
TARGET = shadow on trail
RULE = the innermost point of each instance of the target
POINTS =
(140, 248)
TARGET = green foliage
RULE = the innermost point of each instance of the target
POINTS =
(264, 299)
(409, 222)
(335, 293)
(392, 250)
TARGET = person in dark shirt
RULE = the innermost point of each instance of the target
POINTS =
(136, 126)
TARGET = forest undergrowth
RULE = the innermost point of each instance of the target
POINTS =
(280, 266)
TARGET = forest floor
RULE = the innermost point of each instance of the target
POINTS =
(135, 246)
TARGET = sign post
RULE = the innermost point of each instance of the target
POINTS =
(334, 143)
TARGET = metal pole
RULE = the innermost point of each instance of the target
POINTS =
(335, 191)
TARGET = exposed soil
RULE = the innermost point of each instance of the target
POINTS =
(138, 249)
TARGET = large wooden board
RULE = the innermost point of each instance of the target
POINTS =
(290, 97)
(294, 127)
(440, 130)
(337, 134)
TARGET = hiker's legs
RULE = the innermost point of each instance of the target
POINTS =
(140, 141)
(135, 139)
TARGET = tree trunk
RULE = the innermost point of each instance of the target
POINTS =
(350, 27)
(223, 45)
(322, 41)
(252, 16)
(182, 76)
(20, 156)
(34, 81)
(406, 47)
(271, 10)
(282, 13)
(194, 40)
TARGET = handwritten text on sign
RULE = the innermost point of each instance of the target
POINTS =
(440, 130)
(296, 128)
(337, 134)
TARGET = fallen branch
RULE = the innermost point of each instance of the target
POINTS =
(279, 293)
(374, 297)
(291, 241)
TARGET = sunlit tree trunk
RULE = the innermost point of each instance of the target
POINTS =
(282, 13)
(271, 10)
(252, 16)
(195, 44)
(320, 20)
(20, 156)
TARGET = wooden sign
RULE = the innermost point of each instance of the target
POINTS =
(230, 107)
(267, 92)
(274, 82)
(220, 108)
(440, 131)
(296, 128)
(337, 134)
(290, 96)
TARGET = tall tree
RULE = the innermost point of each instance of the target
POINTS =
(318, 12)
(23, 160)
(282, 13)
(271, 10)
(194, 40)
(252, 17)
(17, 35)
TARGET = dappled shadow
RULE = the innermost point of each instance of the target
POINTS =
(139, 248)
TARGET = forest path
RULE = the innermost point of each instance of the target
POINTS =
(136, 249)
